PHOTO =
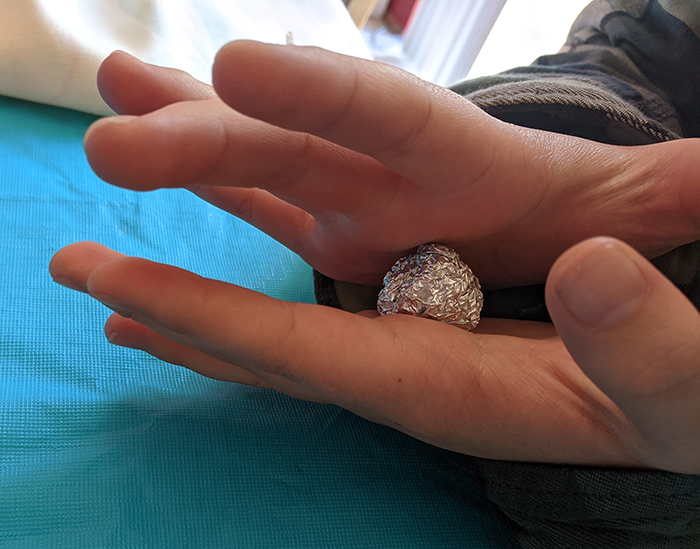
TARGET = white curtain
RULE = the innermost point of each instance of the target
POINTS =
(445, 36)
(50, 50)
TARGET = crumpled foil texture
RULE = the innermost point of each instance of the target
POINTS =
(433, 283)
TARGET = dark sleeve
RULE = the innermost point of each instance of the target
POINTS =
(629, 74)
(551, 506)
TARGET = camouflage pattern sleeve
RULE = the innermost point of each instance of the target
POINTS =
(661, 39)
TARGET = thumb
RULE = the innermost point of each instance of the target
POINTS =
(638, 339)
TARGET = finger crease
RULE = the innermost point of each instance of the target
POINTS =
(407, 143)
(335, 121)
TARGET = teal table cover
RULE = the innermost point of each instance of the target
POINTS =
(104, 447)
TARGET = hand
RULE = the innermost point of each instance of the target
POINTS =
(509, 391)
(351, 164)
(362, 191)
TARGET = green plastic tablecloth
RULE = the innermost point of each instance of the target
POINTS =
(108, 447)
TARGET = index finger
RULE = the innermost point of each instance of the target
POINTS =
(415, 128)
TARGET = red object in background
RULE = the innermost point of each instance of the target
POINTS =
(399, 13)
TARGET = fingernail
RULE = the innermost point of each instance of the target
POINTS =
(123, 340)
(604, 288)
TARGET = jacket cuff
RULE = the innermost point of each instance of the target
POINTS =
(588, 507)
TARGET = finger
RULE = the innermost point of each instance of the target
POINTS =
(181, 351)
(413, 127)
(130, 86)
(125, 332)
(71, 265)
(207, 143)
(337, 356)
(637, 337)
(290, 226)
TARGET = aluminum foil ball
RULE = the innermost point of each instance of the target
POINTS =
(433, 283)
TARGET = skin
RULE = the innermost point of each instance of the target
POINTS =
(352, 164)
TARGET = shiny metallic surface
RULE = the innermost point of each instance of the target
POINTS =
(433, 283)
